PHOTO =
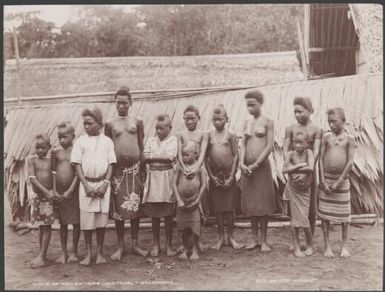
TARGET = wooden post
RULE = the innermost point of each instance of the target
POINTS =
(306, 30)
(302, 50)
(17, 58)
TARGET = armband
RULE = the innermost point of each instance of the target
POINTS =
(107, 181)
(54, 172)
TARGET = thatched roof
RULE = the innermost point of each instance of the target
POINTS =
(368, 21)
(79, 75)
(360, 96)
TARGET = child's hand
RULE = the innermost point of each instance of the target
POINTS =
(51, 195)
(90, 192)
(228, 182)
(325, 188)
(254, 166)
(100, 191)
(245, 169)
(181, 205)
(302, 164)
(217, 182)
(334, 186)
(58, 198)
(67, 195)
(192, 205)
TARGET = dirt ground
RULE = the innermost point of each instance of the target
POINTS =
(216, 270)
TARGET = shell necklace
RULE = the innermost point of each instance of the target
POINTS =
(223, 139)
(191, 167)
(338, 140)
(257, 121)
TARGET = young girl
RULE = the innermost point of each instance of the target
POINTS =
(40, 176)
(336, 162)
(127, 133)
(160, 154)
(258, 199)
(298, 164)
(66, 184)
(189, 191)
(93, 155)
(303, 108)
(221, 163)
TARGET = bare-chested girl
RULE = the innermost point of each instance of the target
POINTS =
(221, 163)
(188, 191)
(336, 162)
(66, 185)
(258, 198)
(127, 133)
(303, 109)
(298, 164)
(191, 118)
(40, 176)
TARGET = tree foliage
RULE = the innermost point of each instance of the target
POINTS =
(164, 30)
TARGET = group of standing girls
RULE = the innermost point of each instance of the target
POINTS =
(115, 175)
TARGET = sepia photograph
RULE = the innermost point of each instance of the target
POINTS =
(193, 147)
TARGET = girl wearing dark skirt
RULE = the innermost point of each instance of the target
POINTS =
(258, 200)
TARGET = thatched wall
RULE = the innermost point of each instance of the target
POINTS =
(361, 97)
(78, 75)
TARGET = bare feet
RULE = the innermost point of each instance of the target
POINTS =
(38, 262)
(117, 256)
(194, 256)
(298, 253)
(219, 244)
(179, 249)
(344, 252)
(252, 244)
(155, 250)
(183, 255)
(62, 259)
(234, 244)
(170, 252)
(328, 252)
(100, 259)
(73, 258)
(202, 246)
(265, 247)
(136, 249)
(309, 251)
(87, 260)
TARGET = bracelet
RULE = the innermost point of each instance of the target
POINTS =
(54, 172)
(107, 181)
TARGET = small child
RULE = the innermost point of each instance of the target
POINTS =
(191, 118)
(303, 108)
(93, 155)
(66, 183)
(189, 191)
(336, 162)
(221, 164)
(299, 165)
(40, 176)
(160, 154)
